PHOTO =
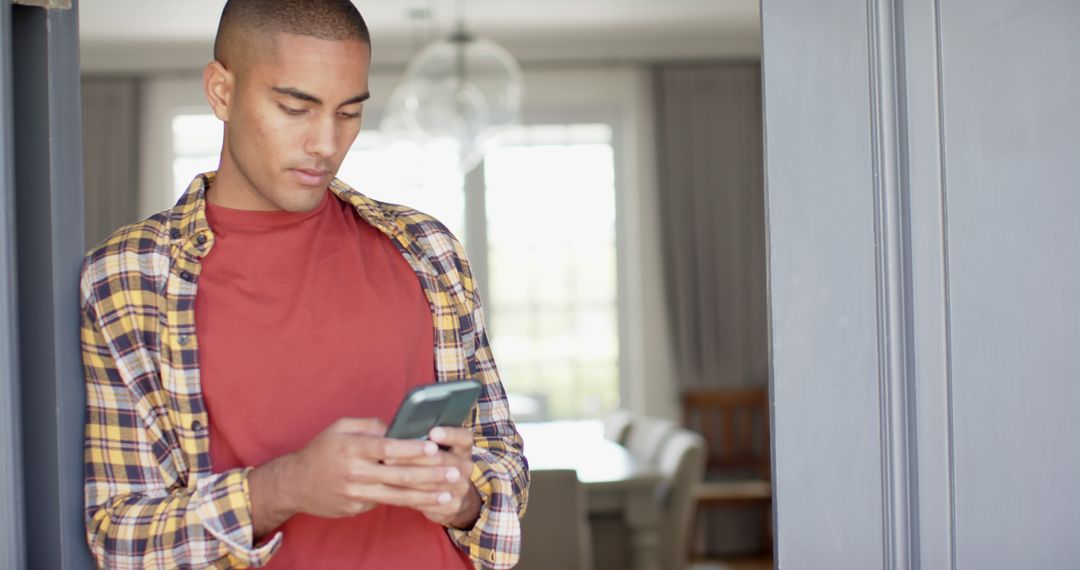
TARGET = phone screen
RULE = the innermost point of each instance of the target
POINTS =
(441, 404)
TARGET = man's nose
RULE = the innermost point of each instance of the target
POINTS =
(322, 137)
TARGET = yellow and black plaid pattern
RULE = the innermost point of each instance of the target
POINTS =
(152, 499)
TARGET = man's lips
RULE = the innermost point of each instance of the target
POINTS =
(310, 176)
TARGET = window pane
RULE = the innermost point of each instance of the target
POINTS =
(550, 196)
(421, 176)
(196, 141)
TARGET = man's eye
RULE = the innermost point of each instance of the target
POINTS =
(291, 111)
(351, 114)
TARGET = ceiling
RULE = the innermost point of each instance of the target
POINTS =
(141, 35)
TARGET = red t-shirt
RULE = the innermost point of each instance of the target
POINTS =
(305, 318)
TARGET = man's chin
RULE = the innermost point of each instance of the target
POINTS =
(302, 199)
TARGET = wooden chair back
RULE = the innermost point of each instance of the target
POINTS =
(735, 425)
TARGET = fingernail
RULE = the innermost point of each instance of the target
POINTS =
(444, 498)
(438, 433)
(452, 475)
(430, 448)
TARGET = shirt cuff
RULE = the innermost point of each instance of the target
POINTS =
(223, 506)
(495, 540)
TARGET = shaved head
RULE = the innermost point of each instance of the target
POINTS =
(248, 27)
(289, 80)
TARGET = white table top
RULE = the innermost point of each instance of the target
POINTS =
(614, 483)
(580, 445)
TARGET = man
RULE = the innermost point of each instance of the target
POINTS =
(245, 349)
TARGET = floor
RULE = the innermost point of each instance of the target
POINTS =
(753, 562)
(759, 563)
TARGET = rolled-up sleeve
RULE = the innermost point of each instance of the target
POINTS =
(137, 515)
(501, 472)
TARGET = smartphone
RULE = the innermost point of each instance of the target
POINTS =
(441, 404)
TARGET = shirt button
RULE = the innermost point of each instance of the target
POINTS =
(201, 239)
(196, 426)
(185, 276)
(183, 339)
(174, 233)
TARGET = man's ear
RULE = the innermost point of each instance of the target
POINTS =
(219, 84)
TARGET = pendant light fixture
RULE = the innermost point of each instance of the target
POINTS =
(462, 88)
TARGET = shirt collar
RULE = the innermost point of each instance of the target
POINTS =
(187, 219)
(373, 212)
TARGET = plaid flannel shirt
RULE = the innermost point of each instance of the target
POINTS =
(152, 499)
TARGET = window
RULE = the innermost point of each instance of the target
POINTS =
(550, 197)
(421, 176)
(549, 217)
(196, 143)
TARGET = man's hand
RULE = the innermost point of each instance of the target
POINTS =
(350, 468)
(458, 503)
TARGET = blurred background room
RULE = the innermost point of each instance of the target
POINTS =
(619, 144)
(868, 362)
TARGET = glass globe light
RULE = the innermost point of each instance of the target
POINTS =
(463, 88)
(395, 123)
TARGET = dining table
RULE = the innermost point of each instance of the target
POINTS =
(615, 482)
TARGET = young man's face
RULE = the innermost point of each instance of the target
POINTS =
(290, 117)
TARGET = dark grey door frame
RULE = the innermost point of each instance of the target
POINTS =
(922, 180)
(46, 204)
(854, 200)
(12, 552)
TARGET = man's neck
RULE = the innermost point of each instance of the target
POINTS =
(231, 190)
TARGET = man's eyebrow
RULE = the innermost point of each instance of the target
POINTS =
(297, 94)
(357, 99)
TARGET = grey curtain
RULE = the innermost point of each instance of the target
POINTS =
(713, 220)
(110, 154)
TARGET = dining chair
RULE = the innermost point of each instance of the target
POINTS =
(645, 437)
(735, 425)
(682, 464)
(617, 425)
(555, 529)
